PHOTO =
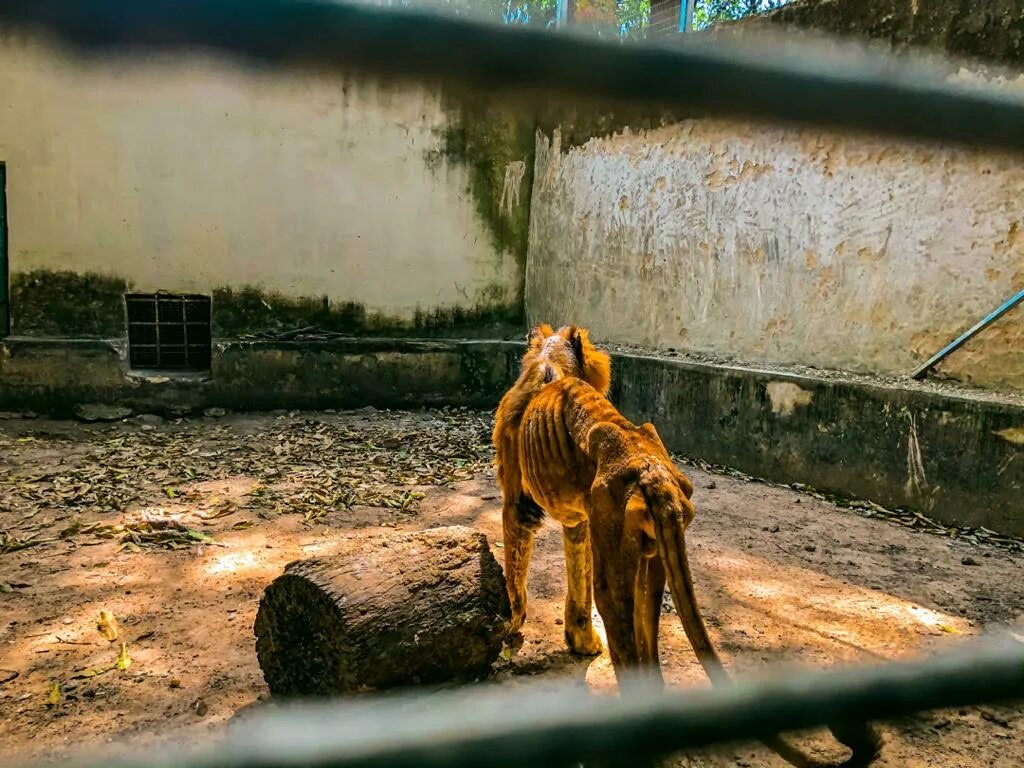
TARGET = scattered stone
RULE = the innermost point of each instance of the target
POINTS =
(150, 419)
(992, 717)
(99, 412)
(200, 708)
(367, 410)
(774, 529)
(969, 561)
(214, 413)
(810, 548)
(711, 486)
(174, 683)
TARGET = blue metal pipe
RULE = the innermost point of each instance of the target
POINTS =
(981, 325)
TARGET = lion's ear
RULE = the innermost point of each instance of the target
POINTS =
(538, 333)
(577, 341)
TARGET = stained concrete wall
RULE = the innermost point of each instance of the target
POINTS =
(782, 245)
(989, 30)
(190, 175)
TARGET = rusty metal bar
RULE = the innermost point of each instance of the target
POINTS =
(540, 726)
(969, 334)
(875, 93)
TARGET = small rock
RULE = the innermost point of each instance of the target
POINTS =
(711, 486)
(200, 707)
(100, 412)
(150, 418)
(774, 529)
(214, 413)
(942, 723)
(367, 409)
(174, 682)
(559, 622)
(992, 717)
(969, 561)
(810, 548)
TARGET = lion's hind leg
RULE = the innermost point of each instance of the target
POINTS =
(580, 635)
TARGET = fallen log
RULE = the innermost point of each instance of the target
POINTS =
(388, 610)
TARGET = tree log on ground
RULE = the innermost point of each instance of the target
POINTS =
(389, 610)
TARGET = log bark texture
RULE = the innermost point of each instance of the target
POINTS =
(389, 610)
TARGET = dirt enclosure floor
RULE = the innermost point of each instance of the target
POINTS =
(176, 527)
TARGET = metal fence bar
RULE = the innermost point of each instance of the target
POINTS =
(876, 92)
(969, 334)
(510, 728)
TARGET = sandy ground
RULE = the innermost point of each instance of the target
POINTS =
(783, 577)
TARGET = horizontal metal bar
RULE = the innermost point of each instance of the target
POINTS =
(876, 92)
(967, 335)
(510, 728)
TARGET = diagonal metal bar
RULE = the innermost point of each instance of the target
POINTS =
(969, 334)
(510, 728)
(877, 93)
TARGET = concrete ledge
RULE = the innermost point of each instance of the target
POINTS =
(957, 457)
(54, 375)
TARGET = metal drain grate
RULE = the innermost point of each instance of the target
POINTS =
(169, 332)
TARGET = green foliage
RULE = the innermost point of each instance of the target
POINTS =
(627, 18)
(707, 12)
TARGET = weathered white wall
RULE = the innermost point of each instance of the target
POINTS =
(189, 174)
(782, 245)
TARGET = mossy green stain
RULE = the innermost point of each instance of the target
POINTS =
(248, 310)
(48, 302)
(487, 139)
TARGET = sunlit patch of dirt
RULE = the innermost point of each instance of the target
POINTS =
(783, 578)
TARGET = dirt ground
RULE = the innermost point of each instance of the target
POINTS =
(176, 528)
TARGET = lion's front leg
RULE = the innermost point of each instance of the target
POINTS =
(580, 635)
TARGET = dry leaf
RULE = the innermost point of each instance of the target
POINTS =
(107, 626)
(55, 696)
(85, 674)
(123, 659)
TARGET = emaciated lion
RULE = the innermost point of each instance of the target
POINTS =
(550, 355)
(624, 507)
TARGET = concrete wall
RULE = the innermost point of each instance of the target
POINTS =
(782, 245)
(191, 175)
(987, 30)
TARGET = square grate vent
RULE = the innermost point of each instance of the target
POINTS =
(169, 332)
